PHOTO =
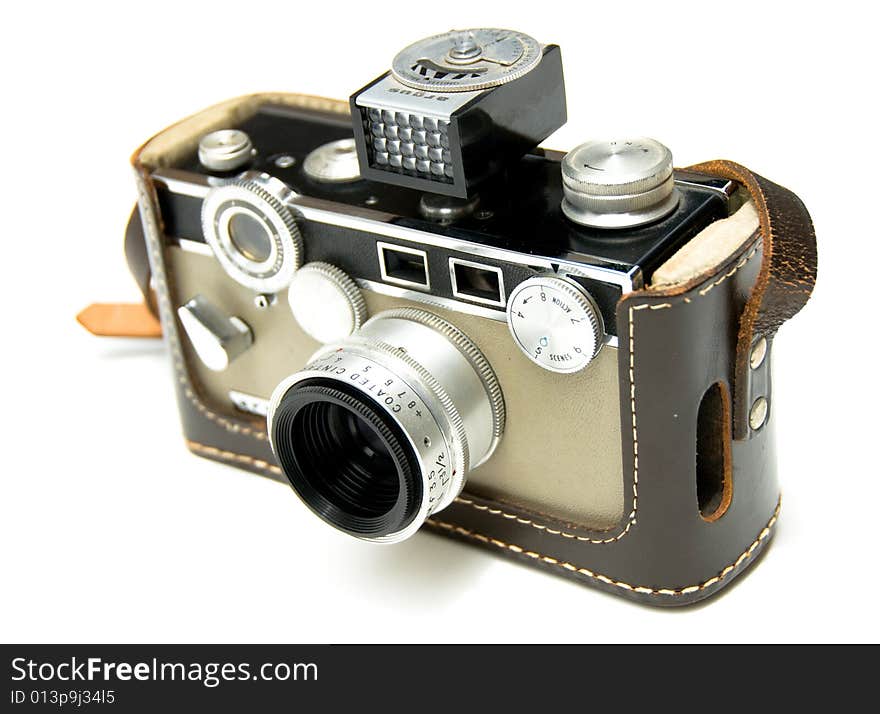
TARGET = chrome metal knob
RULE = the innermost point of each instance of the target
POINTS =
(336, 162)
(225, 150)
(555, 323)
(619, 183)
(326, 302)
(253, 233)
(216, 338)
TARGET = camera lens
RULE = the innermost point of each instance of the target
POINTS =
(348, 461)
(250, 237)
(379, 431)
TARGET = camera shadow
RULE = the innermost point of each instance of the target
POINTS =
(422, 568)
(122, 348)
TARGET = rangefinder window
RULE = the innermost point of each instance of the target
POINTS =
(477, 283)
(404, 266)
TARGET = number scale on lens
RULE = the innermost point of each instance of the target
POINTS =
(555, 323)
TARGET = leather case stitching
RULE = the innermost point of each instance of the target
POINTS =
(672, 592)
(565, 565)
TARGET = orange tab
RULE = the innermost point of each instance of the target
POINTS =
(120, 319)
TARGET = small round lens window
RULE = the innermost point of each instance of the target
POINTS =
(250, 237)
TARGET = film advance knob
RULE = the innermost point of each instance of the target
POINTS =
(619, 183)
(326, 302)
(555, 323)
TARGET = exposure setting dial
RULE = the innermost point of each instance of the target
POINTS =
(621, 183)
(555, 323)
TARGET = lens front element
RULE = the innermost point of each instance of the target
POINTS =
(348, 460)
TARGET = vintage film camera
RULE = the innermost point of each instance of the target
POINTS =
(414, 316)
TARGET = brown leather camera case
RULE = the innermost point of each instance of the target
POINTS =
(676, 342)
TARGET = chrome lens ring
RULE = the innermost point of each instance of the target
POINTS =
(437, 395)
(348, 460)
(254, 202)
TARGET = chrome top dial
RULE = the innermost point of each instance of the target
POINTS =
(336, 162)
(618, 183)
(555, 323)
(225, 150)
(466, 60)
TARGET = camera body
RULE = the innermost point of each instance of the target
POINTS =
(415, 316)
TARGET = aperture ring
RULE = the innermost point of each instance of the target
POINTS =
(466, 346)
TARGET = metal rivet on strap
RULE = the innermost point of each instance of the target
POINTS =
(758, 413)
(759, 351)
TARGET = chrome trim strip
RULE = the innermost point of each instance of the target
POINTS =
(378, 223)
(183, 183)
(194, 246)
(249, 403)
(343, 219)
(445, 303)
(725, 188)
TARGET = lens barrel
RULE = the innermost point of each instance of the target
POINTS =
(379, 431)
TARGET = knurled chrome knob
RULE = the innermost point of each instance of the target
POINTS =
(326, 302)
(336, 162)
(225, 150)
(555, 323)
(619, 183)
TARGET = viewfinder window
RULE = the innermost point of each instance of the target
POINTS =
(476, 282)
(404, 266)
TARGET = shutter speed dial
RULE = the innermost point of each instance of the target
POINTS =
(555, 323)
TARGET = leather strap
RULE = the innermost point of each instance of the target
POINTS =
(120, 320)
(787, 275)
(128, 319)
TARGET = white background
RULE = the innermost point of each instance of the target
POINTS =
(111, 531)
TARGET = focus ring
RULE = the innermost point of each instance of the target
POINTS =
(437, 390)
(466, 346)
